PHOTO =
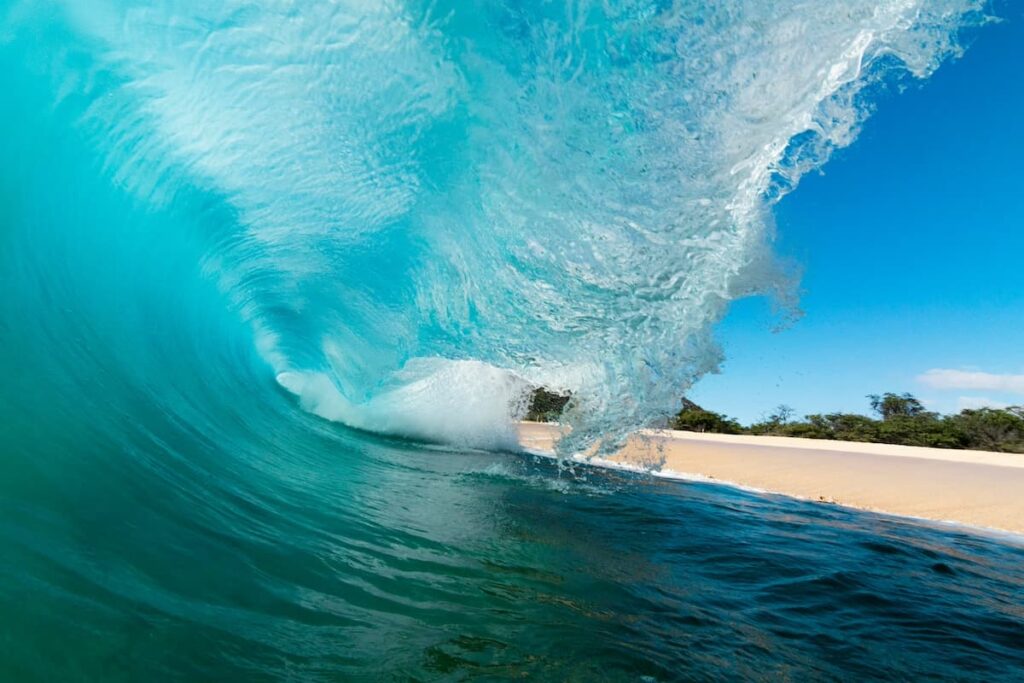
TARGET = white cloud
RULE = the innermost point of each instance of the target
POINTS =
(940, 378)
(975, 402)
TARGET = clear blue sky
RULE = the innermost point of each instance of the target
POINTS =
(912, 249)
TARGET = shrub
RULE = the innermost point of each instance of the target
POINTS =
(991, 429)
(546, 406)
(693, 418)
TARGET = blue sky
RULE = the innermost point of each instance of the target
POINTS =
(911, 244)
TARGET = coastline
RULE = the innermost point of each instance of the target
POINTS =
(974, 488)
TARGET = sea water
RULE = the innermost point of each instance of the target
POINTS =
(276, 280)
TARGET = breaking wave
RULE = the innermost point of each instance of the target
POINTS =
(412, 209)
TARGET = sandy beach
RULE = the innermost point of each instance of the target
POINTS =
(976, 488)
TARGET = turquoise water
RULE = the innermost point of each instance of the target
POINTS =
(275, 281)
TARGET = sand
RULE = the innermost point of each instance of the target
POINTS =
(976, 488)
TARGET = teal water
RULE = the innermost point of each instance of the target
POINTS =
(275, 281)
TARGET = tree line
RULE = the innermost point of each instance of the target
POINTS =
(899, 419)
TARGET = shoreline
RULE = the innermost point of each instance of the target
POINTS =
(979, 489)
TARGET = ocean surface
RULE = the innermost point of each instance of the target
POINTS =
(275, 280)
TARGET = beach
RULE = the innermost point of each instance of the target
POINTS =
(975, 488)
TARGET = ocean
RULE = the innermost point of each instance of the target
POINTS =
(275, 281)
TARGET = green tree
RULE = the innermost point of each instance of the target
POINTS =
(546, 406)
(924, 429)
(890, 405)
(991, 429)
(805, 430)
(693, 418)
(775, 423)
(845, 426)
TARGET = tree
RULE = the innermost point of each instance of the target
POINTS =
(774, 423)
(782, 415)
(546, 406)
(923, 429)
(693, 418)
(890, 405)
(845, 426)
(991, 429)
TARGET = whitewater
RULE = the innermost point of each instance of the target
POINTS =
(274, 275)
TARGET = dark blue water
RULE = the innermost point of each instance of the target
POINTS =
(365, 559)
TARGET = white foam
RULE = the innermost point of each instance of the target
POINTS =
(468, 404)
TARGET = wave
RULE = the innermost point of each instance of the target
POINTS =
(409, 210)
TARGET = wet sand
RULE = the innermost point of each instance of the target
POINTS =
(977, 488)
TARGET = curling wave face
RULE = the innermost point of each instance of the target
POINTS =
(410, 205)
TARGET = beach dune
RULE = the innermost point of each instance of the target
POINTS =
(976, 488)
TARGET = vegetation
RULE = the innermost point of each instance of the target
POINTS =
(693, 418)
(546, 406)
(901, 419)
